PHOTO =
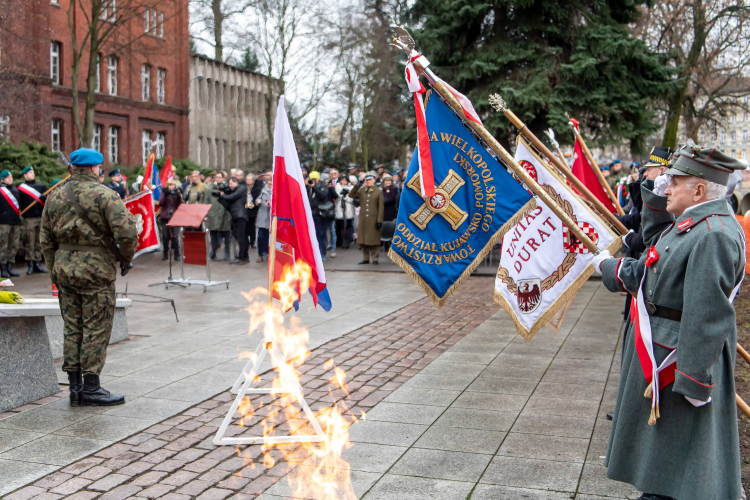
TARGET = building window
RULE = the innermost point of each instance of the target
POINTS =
(5, 126)
(734, 136)
(723, 136)
(108, 7)
(734, 117)
(702, 135)
(98, 75)
(161, 76)
(96, 142)
(56, 141)
(154, 24)
(733, 155)
(160, 145)
(54, 2)
(54, 62)
(112, 75)
(744, 135)
(113, 143)
(161, 25)
(146, 25)
(145, 82)
(146, 145)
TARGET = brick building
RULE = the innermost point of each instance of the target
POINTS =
(142, 90)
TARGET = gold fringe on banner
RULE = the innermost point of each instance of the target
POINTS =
(440, 301)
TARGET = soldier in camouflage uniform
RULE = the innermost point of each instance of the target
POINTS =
(10, 224)
(83, 268)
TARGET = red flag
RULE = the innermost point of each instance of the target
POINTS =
(142, 207)
(148, 172)
(582, 169)
(166, 172)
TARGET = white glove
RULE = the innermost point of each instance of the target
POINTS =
(697, 403)
(661, 184)
(601, 257)
(624, 242)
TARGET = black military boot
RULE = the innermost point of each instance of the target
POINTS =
(653, 496)
(39, 268)
(76, 384)
(4, 271)
(93, 394)
(11, 272)
(30, 270)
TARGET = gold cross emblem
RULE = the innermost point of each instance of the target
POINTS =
(440, 203)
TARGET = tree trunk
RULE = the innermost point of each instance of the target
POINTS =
(218, 25)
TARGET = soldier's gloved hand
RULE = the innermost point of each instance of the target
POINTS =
(661, 184)
(598, 259)
(625, 238)
(378, 225)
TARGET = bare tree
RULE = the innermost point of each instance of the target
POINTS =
(708, 43)
(215, 16)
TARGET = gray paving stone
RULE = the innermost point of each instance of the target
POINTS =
(584, 392)
(476, 419)
(457, 382)
(390, 433)
(534, 474)
(554, 425)
(495, 492)
(441, 464)
(43, 418)
(360, 483)
(443, 368)
(488, 401)
(10, 438)
(502, 386)
(506, 371)
(368, 457)
(573, 377)
(131, 385)
(14, 474)
(54, 450)
(459, 439)
(544, 447)
(564, 407)
(146, 408)
(103, 427)
(405, 413)
(468, 358)
(393, 487)
(422, 396)
(594, 481)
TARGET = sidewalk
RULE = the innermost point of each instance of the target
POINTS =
(456, 403)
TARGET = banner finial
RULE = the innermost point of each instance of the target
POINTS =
(498, 103)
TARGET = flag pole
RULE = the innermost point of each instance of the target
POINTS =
(596, 169)
(499, 104)
(271, 260)
(405, 43)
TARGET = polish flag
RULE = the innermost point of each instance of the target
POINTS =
(166, 171)
(585, 173)
(295, 228)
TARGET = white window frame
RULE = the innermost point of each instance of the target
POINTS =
(161, 25)
(113, 137)
(56, 133)
(5, 126)
(744, 135)
(146, 145)
(112, 75)
(723, 136)
(98, 76)
(146, 82)
(161, 92)
(54, 62)
(112, 11)
(733, 136)
(96, 140)
(160, 144)
(146, 24)
(154, 22)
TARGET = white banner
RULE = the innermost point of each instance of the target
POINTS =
(542, 265)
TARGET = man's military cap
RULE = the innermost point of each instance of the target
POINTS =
(56, 181)
(26, 169)
(705, 163)
(659, 157)
(369, 176)
(5, 173)
(115, 172)
(85, 157)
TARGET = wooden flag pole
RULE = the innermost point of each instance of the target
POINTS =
(499, 104)
(271, 260)
(407, 45)
(44, 194)
(596, 169)
(742, 352)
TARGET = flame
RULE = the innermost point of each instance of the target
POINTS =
(325, 474)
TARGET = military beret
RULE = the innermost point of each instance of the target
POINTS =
(705, 163)
(85, 157)
(115, 172)
(369, 176)
(5, 173)
(616, 161)
(56, 181)
(605, 167)
(26, 169)
(659, 157)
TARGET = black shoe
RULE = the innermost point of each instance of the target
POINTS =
(30, 270)
(610, 416)
(164, 257)
(653, 496)
(11, 273)
(76, 384)
(363, 262)
(227, 257)
(212, 256)
(4, 271)
(93, 394)
(39, 268)
(176, 258)
(375, 262)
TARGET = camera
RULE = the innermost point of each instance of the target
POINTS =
(345, 192)
(223, 187)
(310, 182)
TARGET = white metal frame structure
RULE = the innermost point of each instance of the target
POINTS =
(242, 388)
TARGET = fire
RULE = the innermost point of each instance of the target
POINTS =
(325, 474)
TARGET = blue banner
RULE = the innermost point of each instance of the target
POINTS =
(439, 242)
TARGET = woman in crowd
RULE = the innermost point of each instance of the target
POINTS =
(344, 209)
(169, 201)
(263, 220)
(390, 199)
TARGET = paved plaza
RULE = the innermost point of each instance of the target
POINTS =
(456, 403)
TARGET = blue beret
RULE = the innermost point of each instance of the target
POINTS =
(114, 172)
(85, 157)
(617, 161)
(605, 167)
(5, 173)
(26, 169)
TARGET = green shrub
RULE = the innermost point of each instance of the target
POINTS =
(47, 164)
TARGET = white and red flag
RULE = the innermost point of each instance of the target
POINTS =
(295, 233)
(142, 207)
(585, 173)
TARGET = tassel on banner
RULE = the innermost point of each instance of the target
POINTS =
(649, 391)
(654, 415)
(423, 139)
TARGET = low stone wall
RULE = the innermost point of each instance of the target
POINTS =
(55, 330)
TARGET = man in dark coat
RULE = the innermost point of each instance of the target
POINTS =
(115, 183)
(234, 201)
(10, 224)
(321, 197)
(169, 202)
(674, 433)
(219, 220)
(254, 187)
(370, 218)
(30, 192)
(390, 198)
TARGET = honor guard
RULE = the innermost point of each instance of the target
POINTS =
(371, 207)
(115, 183)
(86, 229)
(10, 224)
(674, 434)
(32, 200)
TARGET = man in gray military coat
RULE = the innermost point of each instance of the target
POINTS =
(680, 441)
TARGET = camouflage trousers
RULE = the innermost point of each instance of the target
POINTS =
(32, 238)
(10, 237)
(88, 313)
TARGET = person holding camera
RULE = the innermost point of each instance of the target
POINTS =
(219, 220)
(371, 207)
(321, 196)
(344, 211)
(263, 222)
(169, 201)
(234, 201)
(195, 191)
